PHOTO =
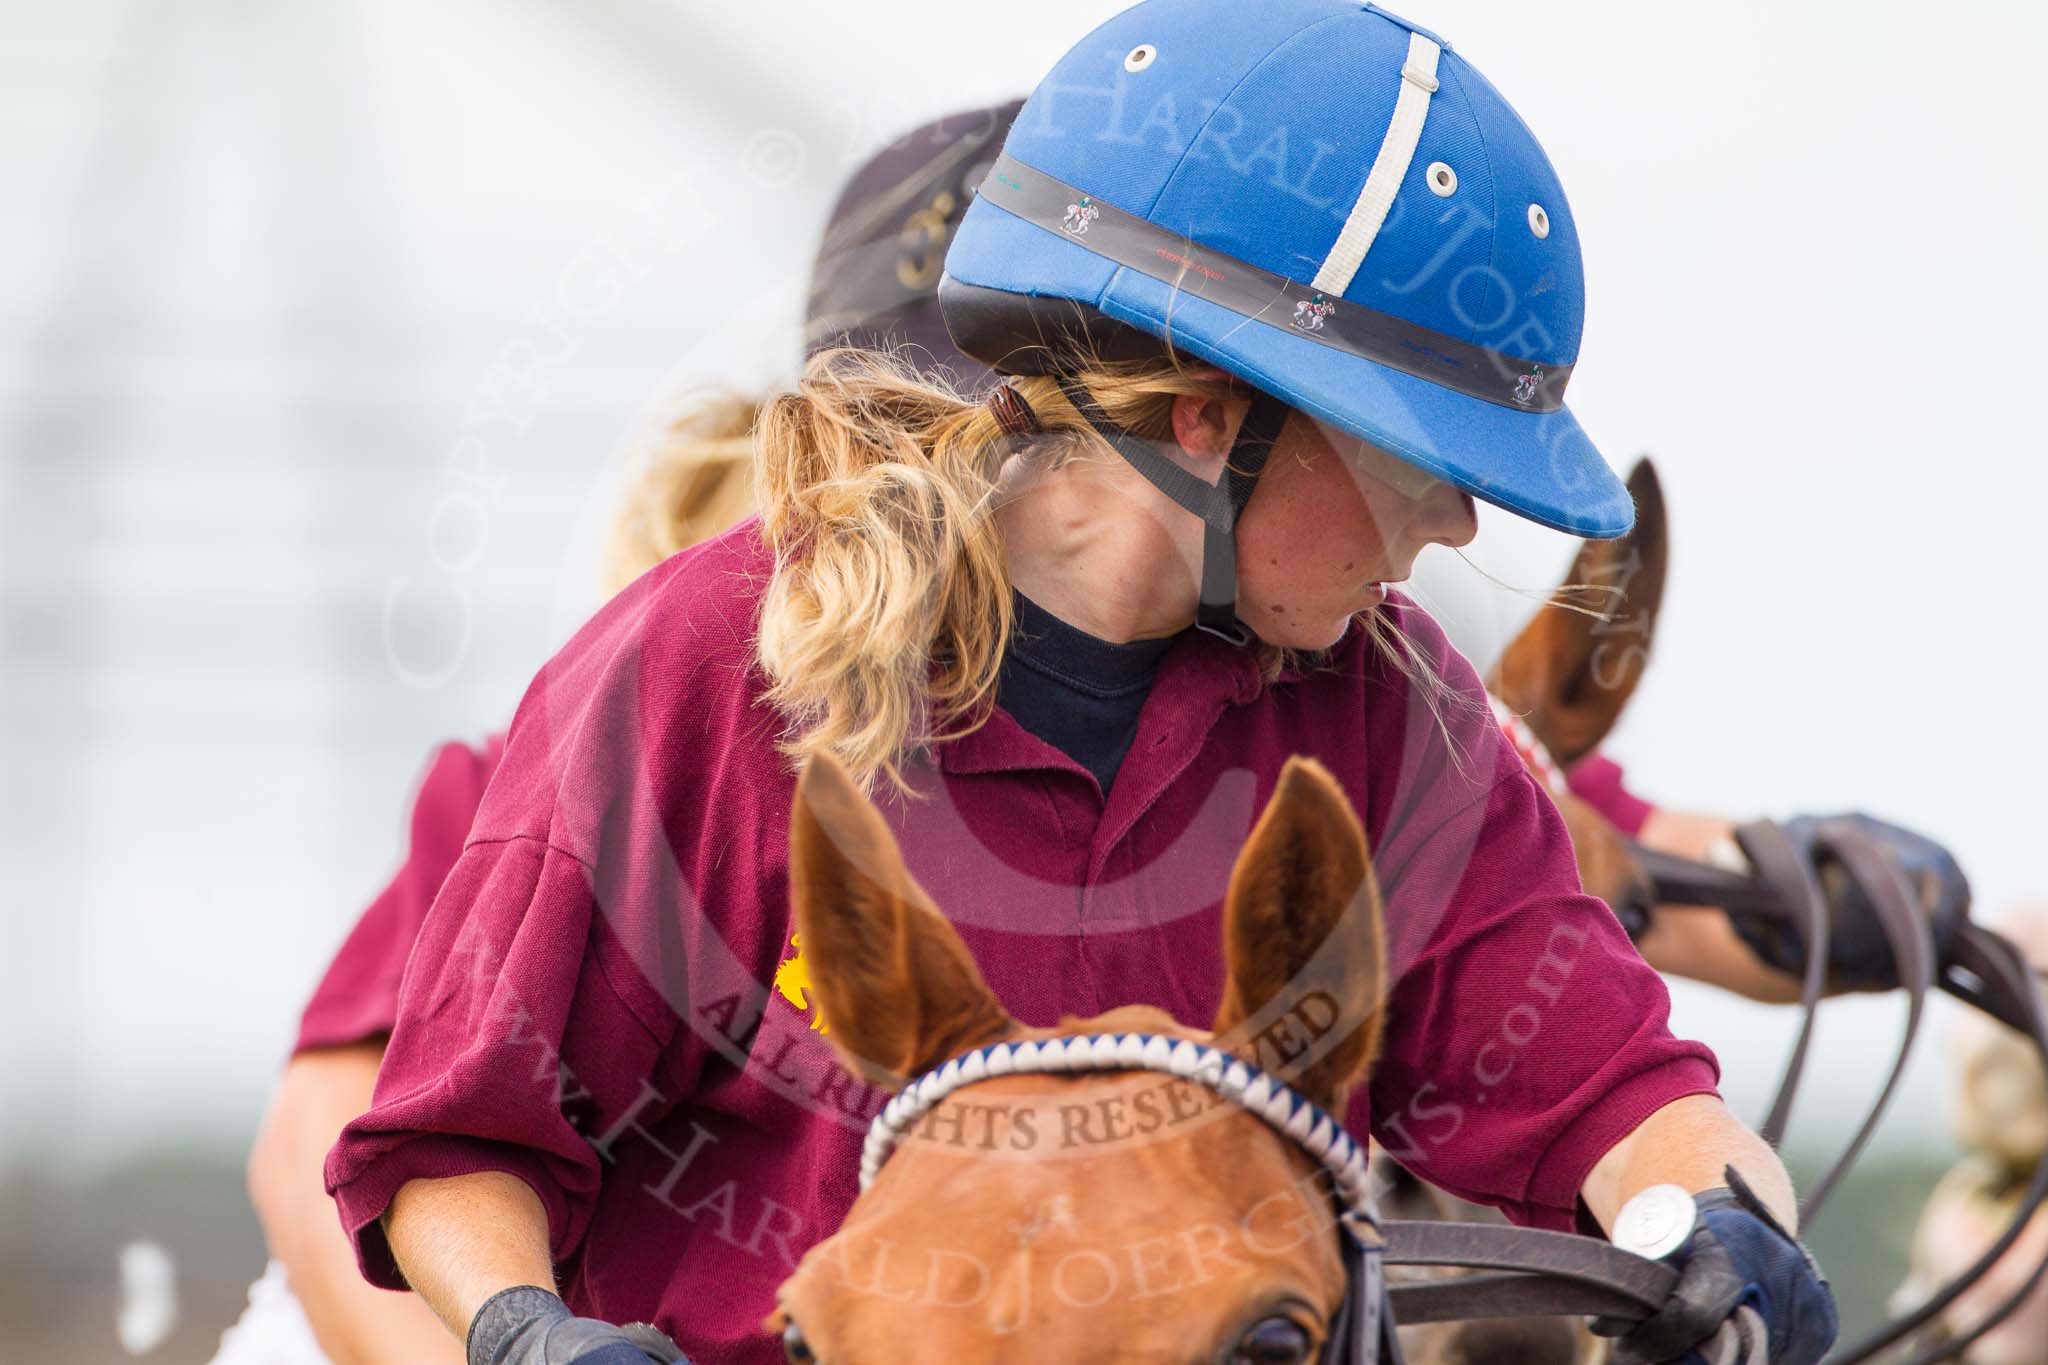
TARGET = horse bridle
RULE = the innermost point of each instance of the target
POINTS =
(1362, 1328)
(1981, 968)
(1526, 1271)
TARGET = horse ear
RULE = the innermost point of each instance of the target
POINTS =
(1569, 674)
(1304, 950)
(895, 988)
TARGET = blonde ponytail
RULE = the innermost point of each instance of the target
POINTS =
(884, 625)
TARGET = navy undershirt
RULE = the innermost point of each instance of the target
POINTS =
(1078, 693)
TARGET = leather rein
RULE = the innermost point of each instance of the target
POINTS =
(1982, 968)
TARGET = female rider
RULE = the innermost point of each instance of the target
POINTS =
(983, 611)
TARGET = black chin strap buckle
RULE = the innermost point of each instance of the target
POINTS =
(1230, 632)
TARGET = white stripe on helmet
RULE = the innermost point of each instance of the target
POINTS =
(1404, 130)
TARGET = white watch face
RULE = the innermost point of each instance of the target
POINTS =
(1656, 1221)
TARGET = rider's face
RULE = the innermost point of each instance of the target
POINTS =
(1332, 522)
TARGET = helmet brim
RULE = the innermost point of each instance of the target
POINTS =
(1538, 465)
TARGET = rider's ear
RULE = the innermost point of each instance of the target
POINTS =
(1569, 674)
(1205, 426)
(895, 988)
(1304, 951)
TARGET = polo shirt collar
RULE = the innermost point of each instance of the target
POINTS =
(1196, 679)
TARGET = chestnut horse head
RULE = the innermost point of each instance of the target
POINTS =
(1574, 667)
(1178, 1226)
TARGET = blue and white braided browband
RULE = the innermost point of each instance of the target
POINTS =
(1249, 1087)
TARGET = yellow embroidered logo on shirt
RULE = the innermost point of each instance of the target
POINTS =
(793, 981)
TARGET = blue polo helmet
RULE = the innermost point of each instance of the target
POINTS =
(1320, 198)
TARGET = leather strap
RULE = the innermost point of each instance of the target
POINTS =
(1912, 945)
(1362, 1332)
(1542, 1273)
(1982, 969)
(1781, 864)
(1506, 1294)
(1987, 970)
(1573, 1271)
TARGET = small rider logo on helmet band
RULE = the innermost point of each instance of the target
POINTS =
(1309, 313)
(1080, 215)
(1526, 386)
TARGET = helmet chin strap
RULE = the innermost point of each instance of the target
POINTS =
(1219, 505)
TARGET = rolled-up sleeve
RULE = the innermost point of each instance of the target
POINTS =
(512, 1038)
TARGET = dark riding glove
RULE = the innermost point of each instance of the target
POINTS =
(1738, 1256)
(1859, 954)
(529, 1326)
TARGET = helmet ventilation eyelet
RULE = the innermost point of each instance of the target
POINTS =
(1539, 221)
(1443, 181)
(1140, 57)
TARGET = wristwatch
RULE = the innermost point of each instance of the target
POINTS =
(1656, 1221)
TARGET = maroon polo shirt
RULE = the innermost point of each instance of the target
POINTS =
(357, 998)
(602, 1000)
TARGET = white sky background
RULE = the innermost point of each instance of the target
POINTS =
(265, 265)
